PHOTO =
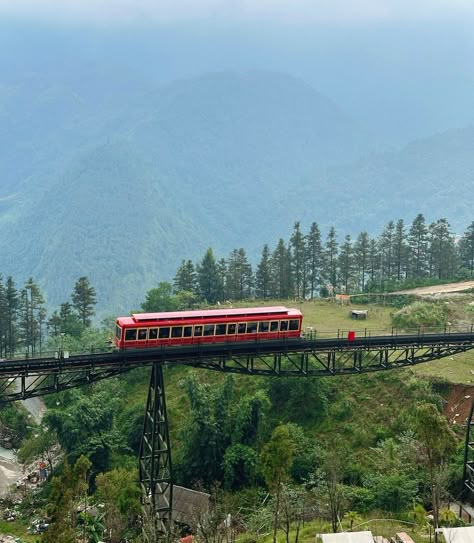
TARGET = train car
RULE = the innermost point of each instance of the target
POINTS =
(147, 330)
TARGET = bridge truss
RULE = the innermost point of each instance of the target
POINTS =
(27, 378)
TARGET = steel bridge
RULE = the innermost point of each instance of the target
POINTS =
(21, 379)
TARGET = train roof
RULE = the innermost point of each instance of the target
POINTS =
(209, 314)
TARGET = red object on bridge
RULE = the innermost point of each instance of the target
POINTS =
(145, 330)
(351, 336)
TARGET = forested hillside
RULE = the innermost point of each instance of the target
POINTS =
(121, 187)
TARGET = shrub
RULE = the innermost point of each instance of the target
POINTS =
(421, 315)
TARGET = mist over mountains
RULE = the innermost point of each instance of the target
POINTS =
(224, 160)
(109, 174)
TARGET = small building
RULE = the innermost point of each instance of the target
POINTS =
(359, 314)
(188, 505)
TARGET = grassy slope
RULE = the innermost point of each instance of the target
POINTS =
(370, 400)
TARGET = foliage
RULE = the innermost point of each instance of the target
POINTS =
(421, 315)
(221, 426)
(120, 493)
(71, 485)
(301, 400)
(83, 300)
(84, 425)
(42, 445)
(438, 444)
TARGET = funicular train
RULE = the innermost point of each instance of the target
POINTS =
(151, 330)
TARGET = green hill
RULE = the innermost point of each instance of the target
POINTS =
(121, 186)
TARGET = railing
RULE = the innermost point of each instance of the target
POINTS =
(341, 333)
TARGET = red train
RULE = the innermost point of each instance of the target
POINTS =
(143, 330)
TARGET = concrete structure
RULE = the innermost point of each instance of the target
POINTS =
(347, 537)
(457, 535)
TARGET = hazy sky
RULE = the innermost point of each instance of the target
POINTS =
(403, 68)
(289, 11)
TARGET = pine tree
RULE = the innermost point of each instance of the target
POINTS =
(54, 324)
(281, 271)
(374, 261)
(361, 253)
(185, 278)
(466, 249)
(346, 264)
(400, 250)
(314, 259)
(32, 316)
(222, 293)
(239, 278)
(13, 302)
(209, 281)
(442, 250)
(386, 250)
(3, 319)
(83, 300)
(331, 253)
(298, 261)
(263, 275)
(417, 247)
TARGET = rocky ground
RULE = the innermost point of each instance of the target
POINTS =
(10, 470)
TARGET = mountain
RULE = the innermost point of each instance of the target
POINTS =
(124, 185)
(433, 176)
(123, 195)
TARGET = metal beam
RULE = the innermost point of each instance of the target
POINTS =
(155, 462)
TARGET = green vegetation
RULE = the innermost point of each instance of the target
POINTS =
(75, 203)
(421, 315)
(351, 445)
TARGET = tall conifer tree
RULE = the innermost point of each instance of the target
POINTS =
(466, 249)
(185, 278)
(417, 247)
(315, 259)
(298, 261)
(263, 275)
(83, 300)
(346, 264)
(209, 281)
(361, 252)
(331, 253)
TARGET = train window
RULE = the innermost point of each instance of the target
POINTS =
(242, 327)
(274, 326)
(164, 333)
(153, 333)
(187, 331)
(220, 329)
(252, 328)
(209, 329)
(283, 326)
(263, 326)
(198, 331)
(142, 334)
(231, 329)
(118, 333)
(294, 324)
(131, 334)
(177, 331)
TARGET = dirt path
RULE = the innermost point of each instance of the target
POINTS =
(9, 473)
(438, 289)
(10, 470)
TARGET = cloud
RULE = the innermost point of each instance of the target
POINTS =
(278, 11)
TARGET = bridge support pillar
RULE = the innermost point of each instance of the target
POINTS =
(155, 463)
(468, 476)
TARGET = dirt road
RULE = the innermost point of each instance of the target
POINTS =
(438, 289)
